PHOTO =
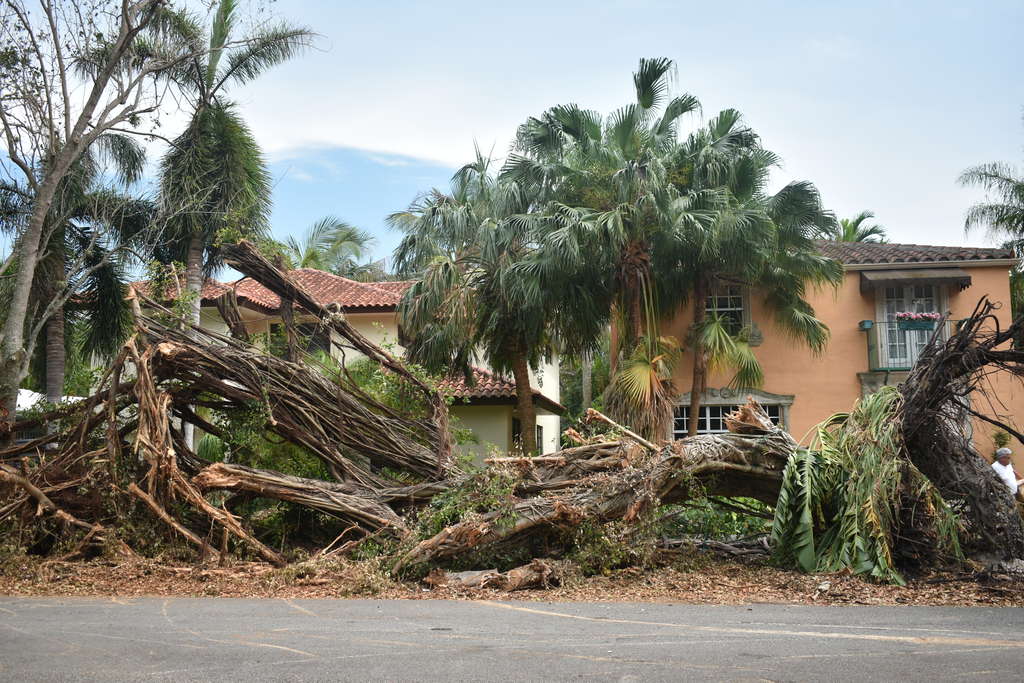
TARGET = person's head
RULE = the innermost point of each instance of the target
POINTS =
(1003, 455)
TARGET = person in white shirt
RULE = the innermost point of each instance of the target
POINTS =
(1005, 471)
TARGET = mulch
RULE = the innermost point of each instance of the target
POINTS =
(699, 579)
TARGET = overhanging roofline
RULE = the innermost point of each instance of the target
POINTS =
(539, 400)
(905, 265)
(874, 279)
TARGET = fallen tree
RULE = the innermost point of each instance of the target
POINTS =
(892, 485)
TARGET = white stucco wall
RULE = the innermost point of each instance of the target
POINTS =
(551, 426)
(210, 319)
(492, 426)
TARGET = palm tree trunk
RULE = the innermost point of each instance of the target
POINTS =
(586, 379)
(194, 285)
(194, 275)
(524, 402)
(700, 361)
(56, 357)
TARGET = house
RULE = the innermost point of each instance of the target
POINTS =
(868, 348)
(487, 407)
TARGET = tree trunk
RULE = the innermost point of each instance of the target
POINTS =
(194, 286)
(14, 356)
(56, 357)
(524, 401)
(194, 276)
(700, 361)
(587, 379)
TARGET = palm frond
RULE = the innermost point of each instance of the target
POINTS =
(124, 154)
(651, 81)
(263, 50)
(842, 506)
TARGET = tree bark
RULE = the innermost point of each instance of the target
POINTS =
(56, 357)
(586, 380)
(700, 361)
(194, 276)
(194, 286)
(14, 356)
(524, 403)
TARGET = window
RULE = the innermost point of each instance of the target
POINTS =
(712, 419)
(517, 434)
(901, 348)
(726, 301)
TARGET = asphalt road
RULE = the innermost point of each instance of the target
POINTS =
(210, 639)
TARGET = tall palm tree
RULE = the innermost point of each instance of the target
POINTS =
(472, 294)
(213, 179)
(758, 240)
(650, 221)
(854, 230)
(1002, 212)
(87, 226)
(612, 193)
(330, 244)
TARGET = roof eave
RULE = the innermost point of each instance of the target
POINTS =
(902, 265)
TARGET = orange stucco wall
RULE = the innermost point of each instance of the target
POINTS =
(828, 383)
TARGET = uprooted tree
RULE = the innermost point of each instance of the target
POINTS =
(894, 484)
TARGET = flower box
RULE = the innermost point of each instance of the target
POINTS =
(924, 325)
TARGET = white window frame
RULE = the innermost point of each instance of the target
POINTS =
(888, 327)
(712, 418)
(730, 294)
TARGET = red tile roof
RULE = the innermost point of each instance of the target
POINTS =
(327, 288)
(488, 386)
(870, 253)
(211, 289)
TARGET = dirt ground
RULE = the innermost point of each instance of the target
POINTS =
(700, 579)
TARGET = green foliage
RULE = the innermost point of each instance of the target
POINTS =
(840, 507)
(703, 518)
(597, 549)
(167, 287)
(641, 393)
(1000, 439)
(854, 230)
(483, 490)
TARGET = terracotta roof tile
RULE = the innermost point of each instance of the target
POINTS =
(870, 253)
(327, 288)
(212, 289)
(487, 385)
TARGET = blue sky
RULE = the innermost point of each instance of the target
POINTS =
(880, 104)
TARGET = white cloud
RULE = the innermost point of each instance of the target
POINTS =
(388, 161)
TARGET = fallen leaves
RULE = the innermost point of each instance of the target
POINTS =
(700, 579)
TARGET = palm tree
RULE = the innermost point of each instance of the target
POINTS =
(854, 230)
(648, 222)
(87, 226)
(761, 241)
(1002, 212)
(330, 244)
(472, 293)
(612, 194)
(214, 182)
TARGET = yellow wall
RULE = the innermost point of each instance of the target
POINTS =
(826, 384)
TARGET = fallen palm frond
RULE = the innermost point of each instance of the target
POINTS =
(846, 504)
